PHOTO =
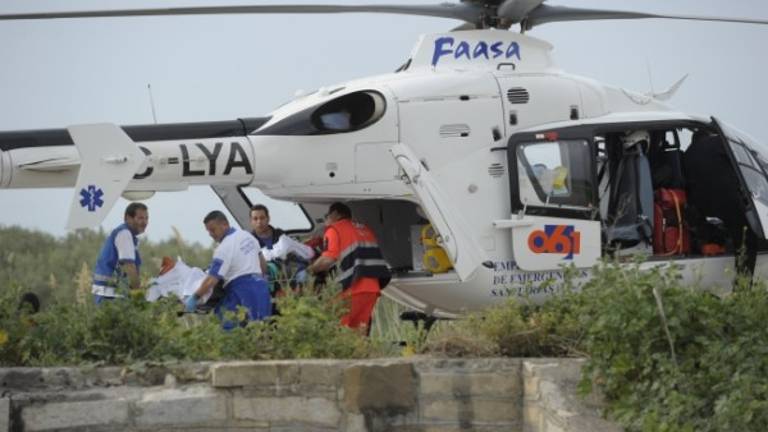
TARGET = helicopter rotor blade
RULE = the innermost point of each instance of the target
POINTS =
(544, 14)
(515, 11)
(461, 11)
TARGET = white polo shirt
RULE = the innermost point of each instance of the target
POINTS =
(237, 255)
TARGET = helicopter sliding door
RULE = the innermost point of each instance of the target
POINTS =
(553, 200)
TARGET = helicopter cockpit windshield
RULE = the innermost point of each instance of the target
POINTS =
(751, 158)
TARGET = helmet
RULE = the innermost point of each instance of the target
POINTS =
(636, 137)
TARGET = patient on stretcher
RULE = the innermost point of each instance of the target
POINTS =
(179, 280)
(176, 279)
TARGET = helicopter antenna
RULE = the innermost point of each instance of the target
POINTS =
(650, 74)
(152, 102)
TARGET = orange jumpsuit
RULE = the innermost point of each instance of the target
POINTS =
(362, 270)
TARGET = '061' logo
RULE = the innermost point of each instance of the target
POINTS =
(556, 239)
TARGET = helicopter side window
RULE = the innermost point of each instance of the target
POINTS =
(555, 173)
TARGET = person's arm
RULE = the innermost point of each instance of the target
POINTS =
(126, 255)
(323, 263)
(332, 251)
(130, 270)
(206, 286)
(263, 265)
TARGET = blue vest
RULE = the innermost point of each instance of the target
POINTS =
(107, 271)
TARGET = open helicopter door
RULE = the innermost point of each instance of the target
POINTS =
(553, 199)
(461, 248)
(750, 160)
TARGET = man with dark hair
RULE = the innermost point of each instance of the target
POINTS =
(283, 254)
(362, 271)
(237, 261)
(119, 262)
(265, 234)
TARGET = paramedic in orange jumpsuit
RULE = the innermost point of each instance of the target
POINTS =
(362, 271)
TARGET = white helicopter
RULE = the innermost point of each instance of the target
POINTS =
(519, 167)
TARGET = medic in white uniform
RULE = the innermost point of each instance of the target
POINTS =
(238, 261)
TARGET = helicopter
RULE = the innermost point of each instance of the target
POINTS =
(454, 139)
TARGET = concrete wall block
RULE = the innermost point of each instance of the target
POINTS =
(531, 387)
(553, 424)
(287, 409)
(470, 411)
(390, 388)
(533, 417)
(351, 422)
(188, 372)
(377, 422)
(553, 399)
(75, 415)
(227, 428)
(464, 384)
(321, 373)
(192, 405)
(239, 374)
(286, 391)
(105, 376)
(21, 378)
(301, 427)
(499, 365)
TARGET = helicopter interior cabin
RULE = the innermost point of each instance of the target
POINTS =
(663, 189)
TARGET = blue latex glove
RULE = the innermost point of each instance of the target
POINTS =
(301, 276)
(190, 305)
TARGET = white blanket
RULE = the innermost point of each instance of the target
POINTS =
(287, 245)
(181, 281)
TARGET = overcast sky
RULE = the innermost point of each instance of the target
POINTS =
(57, 73)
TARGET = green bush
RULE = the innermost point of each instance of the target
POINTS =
(308, 327)
(51, 267)
(666, 357)
(716, 379)
(126, 331)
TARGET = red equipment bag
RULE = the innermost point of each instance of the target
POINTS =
(670, 230)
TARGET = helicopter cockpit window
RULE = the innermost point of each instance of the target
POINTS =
(349, 112)
(555, 173)
(346, 113)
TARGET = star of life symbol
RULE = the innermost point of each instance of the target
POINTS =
(91, 198)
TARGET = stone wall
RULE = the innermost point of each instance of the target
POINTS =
(550, 403)
(417, 394)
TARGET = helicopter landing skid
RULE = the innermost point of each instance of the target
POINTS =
(416, 316)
